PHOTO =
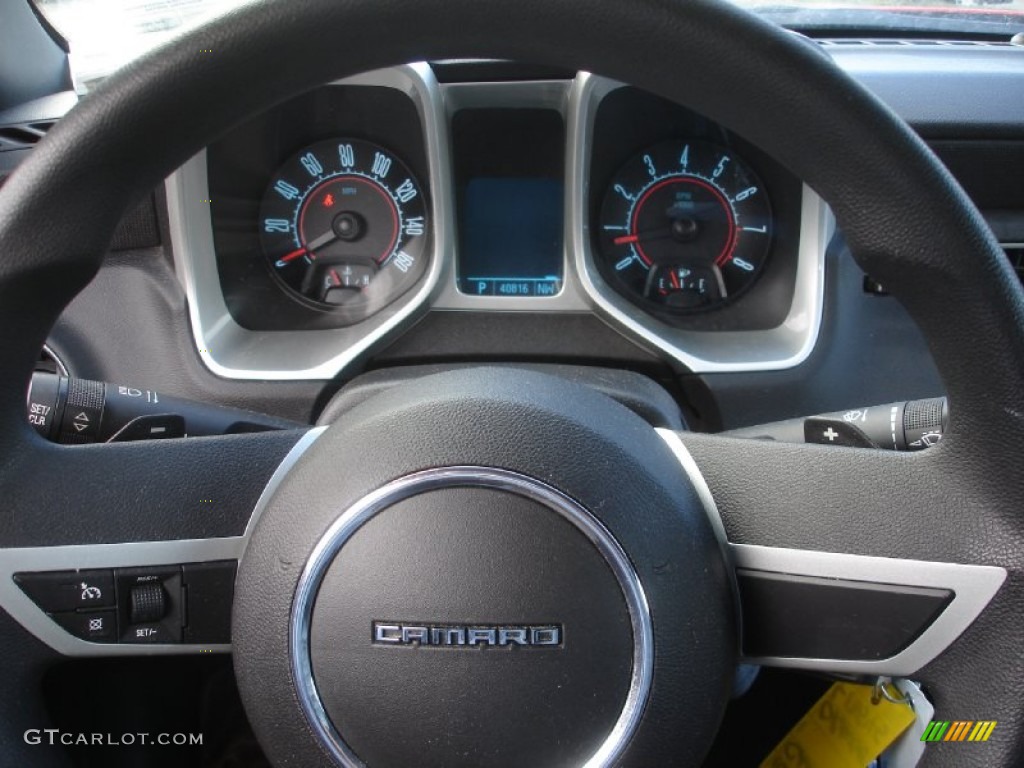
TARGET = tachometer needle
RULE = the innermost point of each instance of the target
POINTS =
(626, 239)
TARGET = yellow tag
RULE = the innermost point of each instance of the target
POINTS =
(842, 730)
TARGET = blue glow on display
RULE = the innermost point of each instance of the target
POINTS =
(512, 237)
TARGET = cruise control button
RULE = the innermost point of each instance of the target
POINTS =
(83, 411)
(59, 591)
(149, 633)
(94, 626)
(150, 604)
(42, 403)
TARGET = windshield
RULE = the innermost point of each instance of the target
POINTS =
(106, 34)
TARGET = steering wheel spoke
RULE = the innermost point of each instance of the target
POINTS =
(104, 545)
(156, 490)
(850, 561)
(850, 500)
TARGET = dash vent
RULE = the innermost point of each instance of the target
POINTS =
(23, 135)
(1015, 253)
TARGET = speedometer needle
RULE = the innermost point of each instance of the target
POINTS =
(289, 257)
(311, 248)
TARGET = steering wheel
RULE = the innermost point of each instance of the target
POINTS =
(502, 567)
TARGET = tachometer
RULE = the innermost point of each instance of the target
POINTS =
(685, 226)
(344, 226)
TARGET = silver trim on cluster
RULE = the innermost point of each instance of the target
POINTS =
(128, 555)
(231, 351)
(784, 346)
(479, 477)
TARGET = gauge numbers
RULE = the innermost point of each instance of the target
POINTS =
(344, 226)
(685, 226)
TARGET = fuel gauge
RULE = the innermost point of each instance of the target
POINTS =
(679, 287)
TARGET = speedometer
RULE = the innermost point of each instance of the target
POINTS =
(344, 227)
(685, 226)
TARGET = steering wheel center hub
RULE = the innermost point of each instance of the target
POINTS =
(487, 591)
(419, 592)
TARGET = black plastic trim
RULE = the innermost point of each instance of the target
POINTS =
(811, 617)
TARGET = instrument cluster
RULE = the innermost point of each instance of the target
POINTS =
(377, 198)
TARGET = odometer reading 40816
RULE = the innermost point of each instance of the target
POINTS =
(344, 226)
(685, 226)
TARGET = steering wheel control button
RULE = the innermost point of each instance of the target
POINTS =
(908, 426)
(61, 591)
(491, 605)
(827, 431)
(95, 411)
(43, 397)
(83, 411)
(150, 604)
(162, 604)
(94, 626)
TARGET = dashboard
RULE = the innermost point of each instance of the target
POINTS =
(309, 235)
(212, 320)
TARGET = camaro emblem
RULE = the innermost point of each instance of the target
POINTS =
(454, 635)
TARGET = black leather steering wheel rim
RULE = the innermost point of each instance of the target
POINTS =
(907, 222)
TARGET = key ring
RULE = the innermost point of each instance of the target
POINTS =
(881, 691)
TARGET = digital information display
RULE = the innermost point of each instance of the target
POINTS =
(512, 237)
(510, 197)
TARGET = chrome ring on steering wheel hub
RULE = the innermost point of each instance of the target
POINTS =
(472, 602)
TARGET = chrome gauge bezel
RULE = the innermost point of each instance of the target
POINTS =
(233, 352)
(374, 279)
(684, 167)
(784, 346)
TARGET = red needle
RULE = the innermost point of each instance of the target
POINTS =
(675, 279)
(625, 239)
(291, 256)
(335, 277)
